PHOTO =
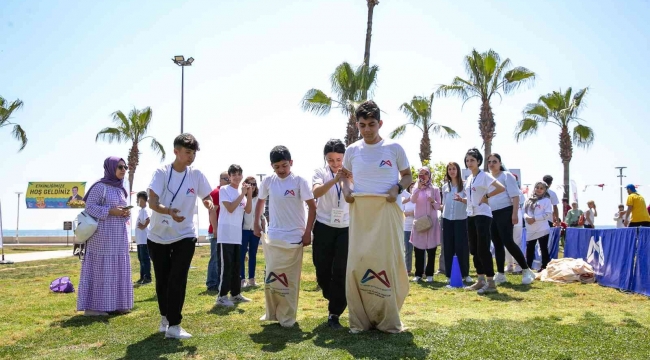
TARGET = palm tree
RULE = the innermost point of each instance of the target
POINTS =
(488, 76)
(418, 112)
(6, 110)
(350, 87)
(562, 110)
(133, 129)
(366, 53)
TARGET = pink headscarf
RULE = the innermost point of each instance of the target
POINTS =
(424, 184)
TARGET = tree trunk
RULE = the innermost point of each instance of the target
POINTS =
(425, 147)
(486, 126)
(566, 154)
(133, 161)
(366, 53)
(351, 131)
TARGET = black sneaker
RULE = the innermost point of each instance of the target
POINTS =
(213, 289)
(146, 281)
(333, 322)
(139, 282)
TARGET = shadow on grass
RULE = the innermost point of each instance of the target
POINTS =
(154, 297)
(502, 297)
(223, 310)
(274, 338)
(80, 320)
(370, 344)
(155, 346)
(516, 287)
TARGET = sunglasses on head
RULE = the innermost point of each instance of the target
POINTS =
(122, 167)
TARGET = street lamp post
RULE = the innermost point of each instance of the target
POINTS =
(180, 61)
(621, 176)
(18, 215)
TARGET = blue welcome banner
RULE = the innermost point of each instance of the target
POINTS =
(609, 252)
(641, 282)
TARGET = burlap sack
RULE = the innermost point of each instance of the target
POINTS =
(377, 282)
(281, 280)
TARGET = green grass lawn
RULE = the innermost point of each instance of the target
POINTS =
(23, 249)
(544, 321)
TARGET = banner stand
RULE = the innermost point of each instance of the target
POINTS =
(3, 261)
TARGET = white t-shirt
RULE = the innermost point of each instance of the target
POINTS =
(186, 186)
(141, 235)
(376, 167)
(286, 206)
(476, 188)
(230, 224)
(333, 199)
(409, 206)
(543, 213)
(504, 199)
(554, 199)
(619, 220)
(589, 217)
(249, 219)
(520, 212)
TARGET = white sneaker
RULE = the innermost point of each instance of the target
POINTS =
(469, 279)
(164, 324)
(528, 277)
(239, 298)
(251, 282)
(243, 283)
(429, 279)
(500, 278)
(177, 332)
(224, 301)
(417, 279)
(517, 269)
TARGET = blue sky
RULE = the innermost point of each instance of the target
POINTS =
(73, 64)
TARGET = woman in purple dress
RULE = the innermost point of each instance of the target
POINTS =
(105, 283)
(426, 198)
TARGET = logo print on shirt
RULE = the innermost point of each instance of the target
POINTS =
(386, 163)
(190, 191)
(290, 192)
(381, 276)
(282, 278)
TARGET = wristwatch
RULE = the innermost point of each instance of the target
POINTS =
(487, 196)
(399, 188)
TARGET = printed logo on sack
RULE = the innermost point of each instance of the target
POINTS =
(596, 260)
(290, 192)
(385, 163)
(381, 276)
(282, 278)
(190, 191)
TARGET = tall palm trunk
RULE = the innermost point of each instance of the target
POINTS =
(486, 126)
(133, 161)
(566, 153)
(425, 147)
(351, 131)
(366, 53)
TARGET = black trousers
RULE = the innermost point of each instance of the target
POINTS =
(419, 261)
(478, 232)
(331, 260)
(543, 248)
(229, 268)
(171, 264)
(503, 239)
(454, 241)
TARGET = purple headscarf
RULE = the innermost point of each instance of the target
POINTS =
(110, 168)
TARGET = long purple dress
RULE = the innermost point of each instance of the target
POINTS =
(105, 283)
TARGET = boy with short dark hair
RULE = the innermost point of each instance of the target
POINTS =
(235, 203)
(141, 234)
(288, 232)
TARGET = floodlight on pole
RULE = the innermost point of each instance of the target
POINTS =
(180, 61)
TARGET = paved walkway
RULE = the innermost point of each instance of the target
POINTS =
(39, 255)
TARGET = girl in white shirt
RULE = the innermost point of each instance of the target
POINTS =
(538, 210)
(250, 242)
(409, 211)
(590, 214)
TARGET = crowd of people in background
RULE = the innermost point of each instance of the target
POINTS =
(488, 209)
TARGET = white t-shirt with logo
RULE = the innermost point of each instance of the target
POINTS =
(375, 167)
(230, 226)
(542, 212)
(504, 199)
(141, 235)
(333, 199)
(476, 188)
(183, 188)
(286, 206)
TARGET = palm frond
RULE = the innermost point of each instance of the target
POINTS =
(6, 111)
(578, 99)
(526, 128)
(452, 90)
(444, 131)
(410, 112)
(158, 148)
(399, 131)
(553, 101)
(498, 78)
(317, 102)
(537, 112)
(144, 120)
(112, 134)
(583, 136)
(365, 80)
(20, 135)
(122, 121)
(342, 80)
(517, 77)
